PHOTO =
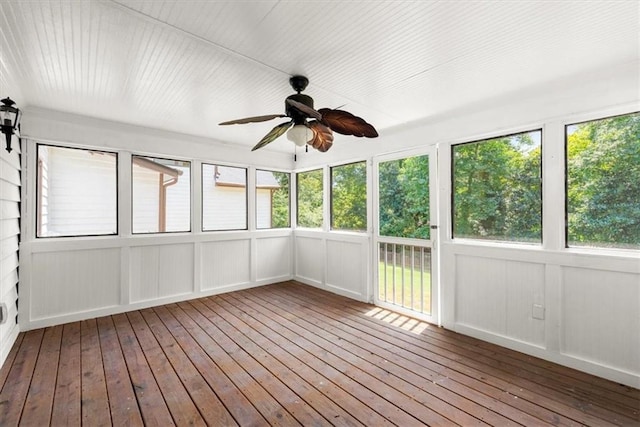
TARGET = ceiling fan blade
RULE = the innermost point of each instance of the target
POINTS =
(322, 136)
(273, 134)
(252, 119)
(346, 123)
(310, 112)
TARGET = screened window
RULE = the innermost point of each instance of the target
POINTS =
(309, 203)
(272, 199)
(404, 197)
(76, 192)
(349, 197)
(603, 176)
(224, 198)
(497, 188)
(161, 193)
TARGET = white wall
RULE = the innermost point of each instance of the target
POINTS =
(10, 182)
(67, 279)
(577, 307)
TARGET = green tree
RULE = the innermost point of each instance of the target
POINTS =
(497, 189)
(404, 197)
(280, 207)
(603, 172)
(349, 197)
(309, 188)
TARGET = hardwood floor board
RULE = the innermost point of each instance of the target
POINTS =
(622, 401)
(433, 371)
(182, 408)
(612, 392)
(16, 387)
(207, 402)
(39, 401)
(318, 390)
(275, 359)
(95, 400)
(67, 396)
(122, 399)
(263, 371)
(356, 358)
(234, 362)
(240, 407)
(522, 388)
(289, 354)
(439, 386)
(408, 406)
(11, 357)
(153, 407)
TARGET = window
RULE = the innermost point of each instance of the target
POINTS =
(309, 189)
(76, 192)
(349, 197)
(603, 172)
(404, 197)
(161, 195)
(224, 198)
(272, 199)
(497, 188)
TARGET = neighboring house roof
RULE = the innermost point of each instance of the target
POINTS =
(227, 176)
(150, 164)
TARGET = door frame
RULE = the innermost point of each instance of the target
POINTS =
(432, 243)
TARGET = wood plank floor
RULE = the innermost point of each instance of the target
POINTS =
(289, 354)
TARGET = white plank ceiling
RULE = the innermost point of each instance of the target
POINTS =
(187, 65)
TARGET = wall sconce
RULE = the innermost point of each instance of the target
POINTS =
(9, 119)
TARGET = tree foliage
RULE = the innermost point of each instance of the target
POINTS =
(404, 197)
(349, 197)
(280, 207)
(497, 189)
(309, 188)
(603, 176)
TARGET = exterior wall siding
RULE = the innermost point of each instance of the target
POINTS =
(10, 182)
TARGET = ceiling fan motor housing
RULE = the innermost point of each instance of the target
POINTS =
(296, 115)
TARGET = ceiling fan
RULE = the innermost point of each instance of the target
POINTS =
(308, 126)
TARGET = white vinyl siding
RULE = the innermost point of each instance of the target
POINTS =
(223, 207)
(263, 207)
(150, 178)
(10, 182)
(146, 196)
(77, 193)
(179, 203)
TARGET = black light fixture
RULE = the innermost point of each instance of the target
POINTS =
(9, 119)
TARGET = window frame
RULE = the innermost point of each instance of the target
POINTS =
(38, 204)
(147, 233)
(565, 136)
(366, 189)
(255, 190)
(246, 198)
(515, 243)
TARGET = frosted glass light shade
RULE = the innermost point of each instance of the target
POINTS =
(299, 135)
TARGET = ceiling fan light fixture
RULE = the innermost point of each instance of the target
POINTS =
(300, 135)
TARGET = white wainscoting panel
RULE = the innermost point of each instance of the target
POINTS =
(310, 259)
(497, 296)
(481, 296)
(69, 282)
(159, 271)
(273, 258)
(225, 263)
(347, 268)
(600, 313)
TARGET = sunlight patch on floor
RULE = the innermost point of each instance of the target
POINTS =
(404, 322)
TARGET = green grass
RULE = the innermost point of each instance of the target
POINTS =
(402, 294)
